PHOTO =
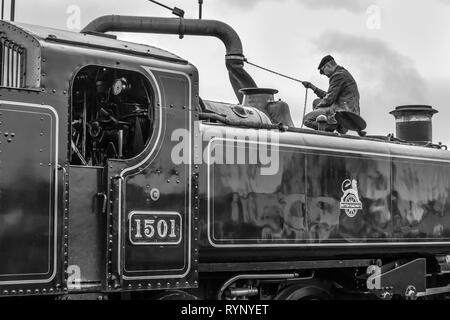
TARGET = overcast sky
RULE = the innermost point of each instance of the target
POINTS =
(395, 49)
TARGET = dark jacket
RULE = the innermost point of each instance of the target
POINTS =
(343, 93)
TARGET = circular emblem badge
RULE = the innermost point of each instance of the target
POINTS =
(350, 202)
(154, 194)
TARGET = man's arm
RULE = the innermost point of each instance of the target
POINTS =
(335, 87)
(320, 93)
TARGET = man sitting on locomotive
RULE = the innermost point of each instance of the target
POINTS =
(342, 95)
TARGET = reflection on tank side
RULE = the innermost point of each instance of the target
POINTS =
(249, 208)
(420, 200)
(326, 174)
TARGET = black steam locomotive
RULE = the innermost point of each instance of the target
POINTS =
(118, 179)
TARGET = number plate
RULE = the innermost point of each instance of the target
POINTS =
(154, 228)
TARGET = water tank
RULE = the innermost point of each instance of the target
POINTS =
(414, 123)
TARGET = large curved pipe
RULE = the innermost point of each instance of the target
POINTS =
(234, 57)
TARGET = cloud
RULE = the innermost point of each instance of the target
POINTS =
(386, 78)
(246, 4)
(357, 6)
(349, 5)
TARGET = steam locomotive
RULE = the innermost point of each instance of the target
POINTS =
(117, 179)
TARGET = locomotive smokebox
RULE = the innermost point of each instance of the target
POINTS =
(414, 123)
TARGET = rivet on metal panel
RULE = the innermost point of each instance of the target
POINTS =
(13, 292)
(5, 291)
(28, 291)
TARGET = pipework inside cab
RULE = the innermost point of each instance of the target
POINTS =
(112, 115)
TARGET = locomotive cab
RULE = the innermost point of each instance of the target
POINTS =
(88, 187)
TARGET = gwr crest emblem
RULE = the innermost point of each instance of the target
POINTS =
(350, 200)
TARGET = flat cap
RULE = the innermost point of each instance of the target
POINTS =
(325, 60)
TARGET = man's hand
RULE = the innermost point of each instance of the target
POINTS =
(308, 85)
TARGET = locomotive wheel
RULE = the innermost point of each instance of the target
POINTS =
(306, 291)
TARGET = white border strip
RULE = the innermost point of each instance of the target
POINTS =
(306, 245)
(55, 235)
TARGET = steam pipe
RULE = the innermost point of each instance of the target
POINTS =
(234, 57)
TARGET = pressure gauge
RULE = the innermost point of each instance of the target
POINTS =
(119, 86)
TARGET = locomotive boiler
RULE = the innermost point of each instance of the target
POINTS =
(117, 179)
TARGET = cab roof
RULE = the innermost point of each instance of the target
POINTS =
(98, 41)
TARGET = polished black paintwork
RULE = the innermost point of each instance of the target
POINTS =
(87, 228)
(404, 200)
(27, 192)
